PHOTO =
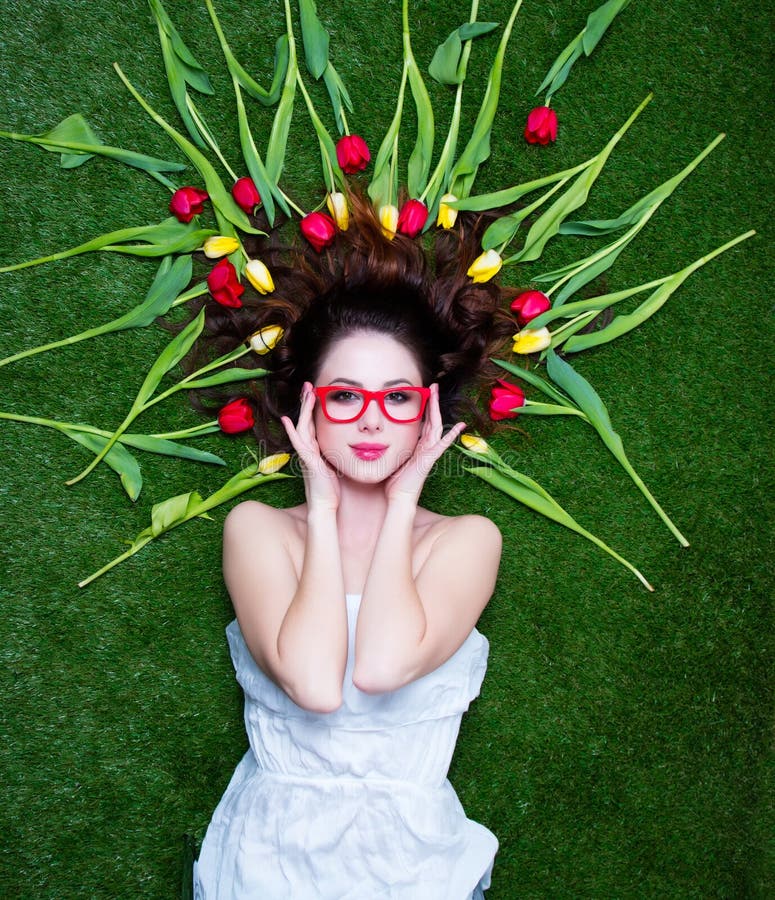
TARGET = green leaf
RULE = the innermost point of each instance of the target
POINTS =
(478, 148)
(163, 447)
(173, 511)
(314, 37)
(170, 357)
(598, 22)
(549, 508)
(118, 458)
(445, 65)
(265, 97)
(339, 96)
(72, 130)
(535, 380)
(227, 376)
(420, 159)
(281, 123)
(510, 195)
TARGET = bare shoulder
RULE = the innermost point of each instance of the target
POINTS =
(479, 529)
(244, 516)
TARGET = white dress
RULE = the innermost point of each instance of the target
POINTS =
(349, 805)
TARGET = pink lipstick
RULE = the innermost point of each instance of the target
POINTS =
(368, 451)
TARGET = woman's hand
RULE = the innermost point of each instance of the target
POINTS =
(410, 478)
(321, 481)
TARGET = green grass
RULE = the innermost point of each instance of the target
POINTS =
(620, 745)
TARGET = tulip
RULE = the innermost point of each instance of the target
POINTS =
(187, 202)
(271, 464)
(447, 215)
(223, 284)
(388, 219)
(219, 245)
(352, 154)
(505, 400)
(541, 126)
(246, 195)
(236, 416)
(259, 276)
(532, 340)
(412, 218)
(529, 305)
(264, 340)
(485, 266)
(319, 229)
(474, 444)
(340, 212)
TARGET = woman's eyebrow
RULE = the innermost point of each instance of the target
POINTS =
(358, 384)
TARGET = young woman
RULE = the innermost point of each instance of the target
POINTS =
(354, 639)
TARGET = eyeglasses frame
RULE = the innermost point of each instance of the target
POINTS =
(322, 392)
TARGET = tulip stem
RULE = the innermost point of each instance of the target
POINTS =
(196, 291)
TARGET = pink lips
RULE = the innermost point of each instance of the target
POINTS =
(368, 451)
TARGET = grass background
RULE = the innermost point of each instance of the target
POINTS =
(620, 747)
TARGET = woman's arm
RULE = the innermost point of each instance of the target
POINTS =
(295, 627)
(409, 625)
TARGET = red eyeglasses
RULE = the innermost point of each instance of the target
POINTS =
(342, 403)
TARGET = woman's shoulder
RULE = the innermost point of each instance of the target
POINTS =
(469, 526)
(249, 515)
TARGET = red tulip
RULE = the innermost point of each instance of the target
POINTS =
(319, 229)
(529, 305)
(505, 400)
(223, 284)
(412, 218)
(246, 194)
(236, 416)
(187, 202)
(352, 154)
(541, 126)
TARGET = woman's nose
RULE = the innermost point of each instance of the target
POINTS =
(372, 418)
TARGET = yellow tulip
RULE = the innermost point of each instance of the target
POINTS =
(388, 219)
(219, 245)
(447, 216)
(259, 276)
(474, 444)
(485, 266)
(271, 464)
(265, 339)
(532, 340)
(340, 213)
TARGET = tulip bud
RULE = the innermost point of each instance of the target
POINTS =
(271, 464)
(541, 126)
(485, 266)
(388, 219)
(352, 154)
(447, 215)
(246, 195)
(236, 416)
(337, 206)
(259, 276)
(412, 218)
(219, 245)
(505, 400)
(187, 202)
(264, 340)
(223, 284)
(474, 444)
(532, 340)
(319, 229)
(529, 305)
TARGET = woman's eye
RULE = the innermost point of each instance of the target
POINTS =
(344, 396)
(397, 397)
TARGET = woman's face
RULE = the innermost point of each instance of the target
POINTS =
(372, 447)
